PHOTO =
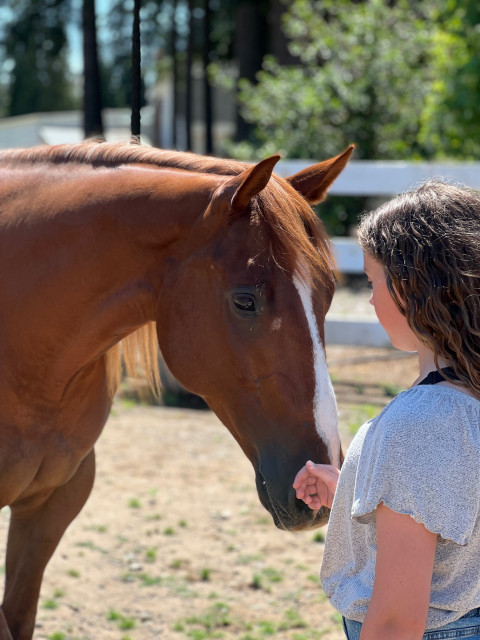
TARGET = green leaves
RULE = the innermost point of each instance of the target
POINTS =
(394, 78)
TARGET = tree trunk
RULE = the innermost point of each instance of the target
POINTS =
(173, 45)
(188, 78)
(249, 49)
(92, 99)
(278, 41)
(207, 89)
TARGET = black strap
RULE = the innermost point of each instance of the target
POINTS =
(435, 376)
(136, 73)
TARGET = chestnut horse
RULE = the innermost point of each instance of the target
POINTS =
(224, 263)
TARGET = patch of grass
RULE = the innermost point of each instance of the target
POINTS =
(336, 618)
(272, 574)
(249, 559)
(292, 620)
(215, 617)
(155, 517)
(126, 623)
(73, 573)
(145, 579)
(318, 536)
(113, 615)
(123, 622)
(360, 414)
(264, 577)
(267, 627)
(88, 544)
(311, 634)
(134, 503)
(178, 563)
(169, 531)
(183, 524)
(52, 603)
(101, 528)
(57, 635)
(175, 585)
(359, 388)
(129, 403)
(150, 555)
(391, 390)
(150, 581)
(205, 575)
(257, 581)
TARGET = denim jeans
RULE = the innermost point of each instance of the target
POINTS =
(468, 626)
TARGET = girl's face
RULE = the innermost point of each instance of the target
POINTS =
(394, 323)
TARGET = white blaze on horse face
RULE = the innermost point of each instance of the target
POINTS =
(324, 403)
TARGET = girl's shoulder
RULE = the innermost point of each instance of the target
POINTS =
(426, 440)
(431, 409)
(422, 398)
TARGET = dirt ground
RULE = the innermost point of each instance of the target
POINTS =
(174, 544)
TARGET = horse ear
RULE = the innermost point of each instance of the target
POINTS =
(252, 181)
(313, 183)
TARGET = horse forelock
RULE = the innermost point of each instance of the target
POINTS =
(297, 236)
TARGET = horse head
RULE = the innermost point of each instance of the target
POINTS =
(240, 322)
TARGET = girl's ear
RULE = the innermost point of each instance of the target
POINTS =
(313, 183)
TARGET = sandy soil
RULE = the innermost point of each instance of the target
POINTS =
(174, 543)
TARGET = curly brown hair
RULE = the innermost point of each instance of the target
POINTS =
(428, 241)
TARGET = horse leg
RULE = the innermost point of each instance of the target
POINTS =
(4, 628)
(34, 533)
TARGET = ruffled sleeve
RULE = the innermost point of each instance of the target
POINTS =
(421, 457)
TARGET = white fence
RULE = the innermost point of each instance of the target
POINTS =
(387, 178)
(375, 179)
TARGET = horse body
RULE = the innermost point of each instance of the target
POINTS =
(97, 242)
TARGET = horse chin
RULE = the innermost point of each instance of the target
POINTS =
(293, 516)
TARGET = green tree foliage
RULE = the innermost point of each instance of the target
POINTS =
(364, 77)
(399, 78)
(451, 118)
(35, 47)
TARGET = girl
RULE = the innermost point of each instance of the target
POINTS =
(402, 555)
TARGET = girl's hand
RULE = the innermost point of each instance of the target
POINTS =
(315, 484)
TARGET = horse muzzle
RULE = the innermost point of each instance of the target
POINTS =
(287, 511)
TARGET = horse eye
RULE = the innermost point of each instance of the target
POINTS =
(244, 302)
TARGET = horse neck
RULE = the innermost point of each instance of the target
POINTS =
(94, 245)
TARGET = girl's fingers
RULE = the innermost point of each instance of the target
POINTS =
(315, 484)
(300, 477)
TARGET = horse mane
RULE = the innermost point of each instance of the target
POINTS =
(107, 154)
(296, 236)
